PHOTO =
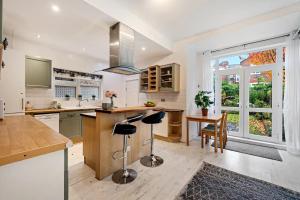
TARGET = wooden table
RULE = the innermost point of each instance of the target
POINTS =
(211, 119)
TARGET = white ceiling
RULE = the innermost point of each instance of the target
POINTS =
(78, 27)
(178, 19)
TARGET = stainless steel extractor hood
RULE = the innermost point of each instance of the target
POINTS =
(121, 50)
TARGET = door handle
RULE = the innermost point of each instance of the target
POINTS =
(22, 101)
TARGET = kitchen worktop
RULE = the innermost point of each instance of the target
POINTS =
(128, 109)
(92, 114)
(23, 137)
(53, 110)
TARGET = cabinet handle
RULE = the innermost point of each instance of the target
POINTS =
(22, 103)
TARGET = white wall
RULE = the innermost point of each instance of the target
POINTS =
(41, 98)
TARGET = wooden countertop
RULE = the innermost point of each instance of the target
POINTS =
(23, 137)
(128, 109)
(53, 110)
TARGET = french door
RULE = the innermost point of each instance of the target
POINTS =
(252, 97)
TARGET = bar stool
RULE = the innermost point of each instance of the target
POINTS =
(152, 160)
(126, 129)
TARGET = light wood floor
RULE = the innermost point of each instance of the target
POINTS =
(181, 163)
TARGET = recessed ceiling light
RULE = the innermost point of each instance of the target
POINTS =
(55, 8)
(143, 48)
(83, 49)
(38, 36)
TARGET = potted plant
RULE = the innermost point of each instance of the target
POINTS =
(202, 99)
(67, 97)
(94, 97)
(79, 97)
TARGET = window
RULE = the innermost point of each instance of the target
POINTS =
(88, 91)
(62, 91)
(248, 59)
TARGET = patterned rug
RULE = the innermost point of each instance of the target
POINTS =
(214, 183)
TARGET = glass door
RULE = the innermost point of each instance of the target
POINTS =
(248, 86)
(229, 98)
(261, 104)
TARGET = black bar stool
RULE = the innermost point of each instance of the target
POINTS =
(126, 129)
(152, 160)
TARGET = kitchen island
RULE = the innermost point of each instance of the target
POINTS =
(99, 144)
(33, 160)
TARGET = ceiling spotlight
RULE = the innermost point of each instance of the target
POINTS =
(55, 8)
(83, 49)
(143, 48)
(38, 36)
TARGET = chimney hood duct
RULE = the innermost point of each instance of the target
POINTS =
(121, 50)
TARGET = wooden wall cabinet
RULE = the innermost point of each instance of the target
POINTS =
(169, 78)
(165, 78)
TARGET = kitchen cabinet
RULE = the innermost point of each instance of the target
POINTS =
(164, 78)
(169, 78)
(51, 120)
(12, 82)
(171, 127)
(38, 72)
(70, 123)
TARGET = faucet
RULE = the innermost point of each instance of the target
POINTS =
(79, 102)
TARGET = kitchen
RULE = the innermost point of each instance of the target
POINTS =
(59, 82)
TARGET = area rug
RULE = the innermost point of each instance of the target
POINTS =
(215, 183)
(251, 149)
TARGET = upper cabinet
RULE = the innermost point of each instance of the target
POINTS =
(38, 72)
(169, 78)
(165, 78)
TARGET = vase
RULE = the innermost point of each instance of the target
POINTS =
(204, 111)
(112, 102)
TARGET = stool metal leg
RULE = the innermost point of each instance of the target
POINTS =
(152, 160)
(124, 175)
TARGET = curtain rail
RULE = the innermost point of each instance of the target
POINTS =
(245, 44)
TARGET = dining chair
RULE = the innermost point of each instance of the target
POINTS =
(209, 131)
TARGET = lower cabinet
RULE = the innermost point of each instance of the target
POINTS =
(70, 123)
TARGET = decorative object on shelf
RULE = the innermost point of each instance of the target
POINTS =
(202, 99)
(111, 95)
(77, 74)
(67, 97)
(150, 104)
(79, 96)
(94, 97)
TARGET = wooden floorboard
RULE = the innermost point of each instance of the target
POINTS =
(180, 164)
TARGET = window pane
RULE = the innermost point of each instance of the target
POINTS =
(233, 121)
(260, 123)
(260, 89)
(62, 91)
(88, 91)
(230, 90)
(248, 59)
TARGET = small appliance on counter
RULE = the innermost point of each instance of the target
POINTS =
(2, 108)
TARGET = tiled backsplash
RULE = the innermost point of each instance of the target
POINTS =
(42, 98)
(167, 100)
